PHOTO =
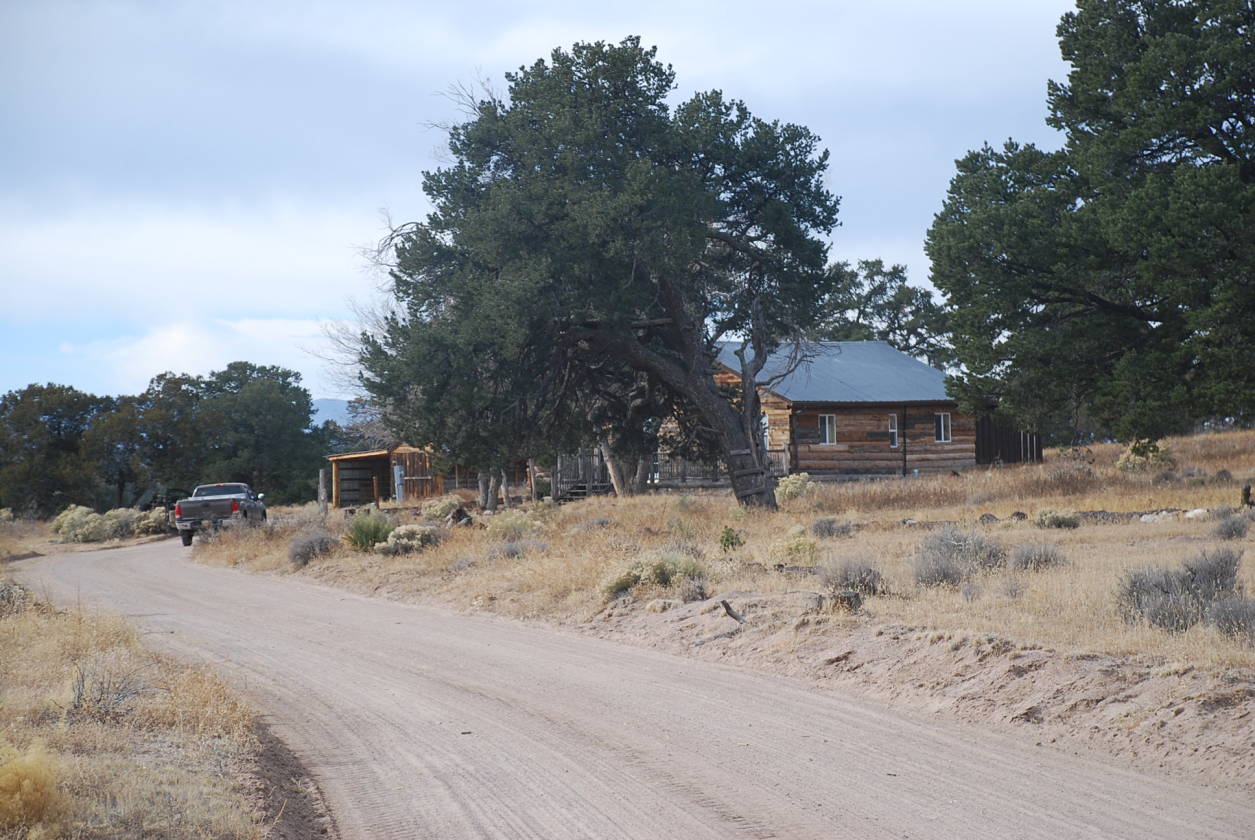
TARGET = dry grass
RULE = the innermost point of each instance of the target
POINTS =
(20, 537)
(1070, 606)
(100, 738)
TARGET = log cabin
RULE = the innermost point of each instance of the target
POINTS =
(853, 408)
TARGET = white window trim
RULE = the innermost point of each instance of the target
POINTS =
(893, 431)
(832, 425)
(947, 433)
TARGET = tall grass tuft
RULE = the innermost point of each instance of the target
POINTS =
(1035, 556)
(666, 569)
(858, 575)
(366, 530)
(28, 786)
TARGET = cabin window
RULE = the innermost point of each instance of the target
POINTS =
(941, 425)
(893, 431)
(827, 428)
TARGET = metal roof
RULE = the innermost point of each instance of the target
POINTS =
(848, 372)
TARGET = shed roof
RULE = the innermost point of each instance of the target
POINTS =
(849, 372)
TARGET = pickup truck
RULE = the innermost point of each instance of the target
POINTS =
(212, 504)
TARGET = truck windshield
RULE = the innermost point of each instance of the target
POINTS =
(219, 490)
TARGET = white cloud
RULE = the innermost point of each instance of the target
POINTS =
(125, 365)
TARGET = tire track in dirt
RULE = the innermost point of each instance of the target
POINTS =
(422, 722)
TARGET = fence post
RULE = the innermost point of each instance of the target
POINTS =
(322, 491)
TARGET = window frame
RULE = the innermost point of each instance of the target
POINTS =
(830, 426)
(943, 431)
(894, 441)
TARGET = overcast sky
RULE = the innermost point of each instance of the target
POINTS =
(187, 184)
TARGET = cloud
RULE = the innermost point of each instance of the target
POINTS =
(125, 365)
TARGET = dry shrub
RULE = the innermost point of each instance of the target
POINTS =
(407, 539)
(1230, 528)
(795, 487)
(106, 690)
(858, 575)
(367, 530)
(1036, 556)
(827, 527)
(1144, 455)
(1048, 518)
(1233, 616)
(513, 525)
(437, 509)
(194, 700)
(665, 569)
(305, 547)
(513, 549)
(28, 786)
(949, 556)
(800, 550)
(1176, 599)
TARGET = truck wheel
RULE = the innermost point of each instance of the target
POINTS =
(187, 537)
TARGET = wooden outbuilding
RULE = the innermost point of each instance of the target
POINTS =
(397, 473)
(859, 408)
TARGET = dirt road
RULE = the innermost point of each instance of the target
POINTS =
(420, 722)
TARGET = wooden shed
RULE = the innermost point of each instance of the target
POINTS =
(399, 473)
(859, 408)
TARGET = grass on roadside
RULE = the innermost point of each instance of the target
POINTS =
(100, 738)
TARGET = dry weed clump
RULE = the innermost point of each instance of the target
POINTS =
(366, 530)
(514, 525)
(826, 527)
(305, 547)
(795, 486)
(28, 786)
(1037, 556)
(1050, 518)
(1231, 528)
(408, 539)
(1145, 455)
(1233, 616)
(102, 738)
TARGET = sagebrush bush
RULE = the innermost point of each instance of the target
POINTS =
(730, 540)
(828, 527)
(154, 521)
(1222, 477)
(70, 520)
(13, 598)
(800, 550)
(305, 547)
(1144, 455)
(28, 786)
(667, 569)
(438, 509)
(1177, 599)
(366, 530)
(120, 522)
(407, 539)
(794, 486)
(858, 575)
(950, 556)
(1035, 556)
(1048, 518)
(513, 525)
(1233, 616)
(512, 549)
(6, 514)
(1231, 528)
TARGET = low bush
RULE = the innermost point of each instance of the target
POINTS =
(1034, 556)
(155, 521)
(950, 556)
(800, 550)
(730, 540)
(6, 514)
(120, 522)
(407, 539)
(513, 525)
(597, 523)
(514, 549)
(437, 509)
(667, 569)
(1177, 599)
(305, 547)
(1048, 518)
(1233, 616)
(366, 530)
(1222, 477)
(859, 575)
(1231, 528)
(681, 529)
(1144, 455)
(794, 487)
(13, 598)
(828, 527)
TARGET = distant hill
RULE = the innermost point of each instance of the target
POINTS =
(329, 409)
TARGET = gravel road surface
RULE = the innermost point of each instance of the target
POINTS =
(424, 722)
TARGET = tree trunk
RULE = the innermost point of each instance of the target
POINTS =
(505, 489)
(494, 484)
(483, 490)
(531, 479)
(640, 483)
(614, 468)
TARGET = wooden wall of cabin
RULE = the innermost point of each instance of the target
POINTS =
(863, 441)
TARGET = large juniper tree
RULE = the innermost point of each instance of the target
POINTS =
(584, 225)
(1116, 277)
